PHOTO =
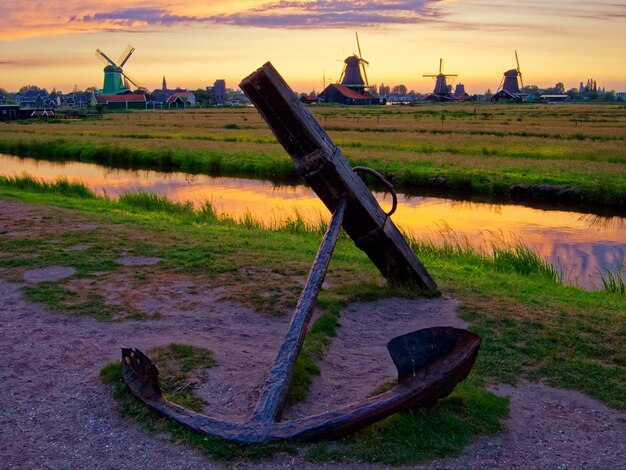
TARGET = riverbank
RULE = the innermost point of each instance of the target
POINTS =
(582, 246)
(571, 154)
(532, 326)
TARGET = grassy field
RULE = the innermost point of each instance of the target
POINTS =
(533, 327)
(461, 149)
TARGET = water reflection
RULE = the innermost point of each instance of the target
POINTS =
(581, 244)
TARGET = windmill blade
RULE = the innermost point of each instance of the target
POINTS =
(365, 74)
(103, 57)
(126, 55)
(500, 86)
(519, 71)
(343, 72)
(131, 80)
(362, 61)
(440, 66)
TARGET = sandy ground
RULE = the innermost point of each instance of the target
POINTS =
(55, 413)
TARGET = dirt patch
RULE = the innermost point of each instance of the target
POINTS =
(358, 361)
(19, 219)
(78, 247)
(550, 428)
(137, 260)
(49, 274)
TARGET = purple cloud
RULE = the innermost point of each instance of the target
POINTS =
(286, 14)
(132, 16)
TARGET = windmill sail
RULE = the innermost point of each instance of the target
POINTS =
(351, 75)
(442, 91)
(509, 88)
(115, 79)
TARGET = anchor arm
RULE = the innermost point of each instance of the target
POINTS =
(448, 367)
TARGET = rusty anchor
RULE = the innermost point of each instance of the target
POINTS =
(430, 362)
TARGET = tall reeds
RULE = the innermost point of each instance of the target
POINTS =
(500, 252)
(615, 281)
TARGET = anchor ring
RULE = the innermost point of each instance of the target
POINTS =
(384, 181)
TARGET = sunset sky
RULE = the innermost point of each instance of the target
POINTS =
(51, 43)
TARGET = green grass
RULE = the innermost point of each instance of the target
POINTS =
(615, 281)
(61, 299)
(475, 149)
(61, 186)
(533, 327)
(414, 436)
(503, 254)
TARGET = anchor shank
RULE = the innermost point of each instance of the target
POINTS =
(274, 392)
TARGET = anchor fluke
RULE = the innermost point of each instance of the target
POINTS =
(140, 374)
(415, 354)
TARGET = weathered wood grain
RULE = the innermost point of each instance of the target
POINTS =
(326, 170)
(273, 394)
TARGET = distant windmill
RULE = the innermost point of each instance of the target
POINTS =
(509, 87)
(351, 75)
(113, 73)
(442, 91)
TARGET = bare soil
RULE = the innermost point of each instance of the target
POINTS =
(49, 274)
(56, 414)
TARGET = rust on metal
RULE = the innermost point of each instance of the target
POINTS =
(430, 362)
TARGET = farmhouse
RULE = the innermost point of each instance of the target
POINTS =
(341, 94)
(181, 99)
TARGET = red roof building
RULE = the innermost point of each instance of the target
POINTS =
(129, 101)
(340, 94)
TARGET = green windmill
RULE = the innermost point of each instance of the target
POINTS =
(113, 73)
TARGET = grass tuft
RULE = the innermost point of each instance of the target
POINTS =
(615, 281)
(151, 202)
(62, 186)
(416, 435)
(509, 255)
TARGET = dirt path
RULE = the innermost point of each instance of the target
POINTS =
(55, 413)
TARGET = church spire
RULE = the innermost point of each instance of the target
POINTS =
(164, 84)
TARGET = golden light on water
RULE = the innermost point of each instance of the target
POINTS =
(578, 243)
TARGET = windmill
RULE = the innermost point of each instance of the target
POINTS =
(351, 75)
(113, 73)
(442, 91)
(509, 87)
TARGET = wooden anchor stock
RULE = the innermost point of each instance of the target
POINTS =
(325, 169)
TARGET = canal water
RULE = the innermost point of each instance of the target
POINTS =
(580, 245)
